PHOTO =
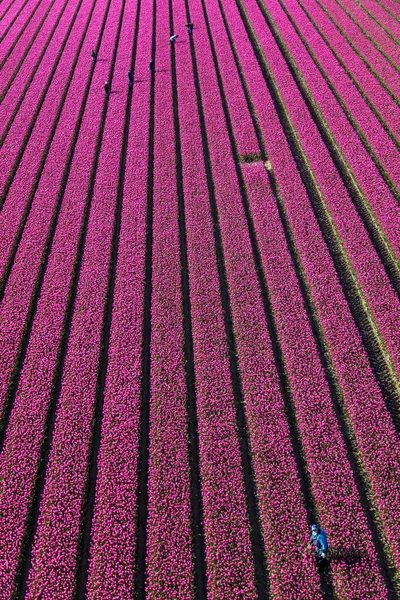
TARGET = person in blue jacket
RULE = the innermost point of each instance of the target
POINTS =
(319, 543)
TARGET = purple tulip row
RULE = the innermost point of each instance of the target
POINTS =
(291, 189)
(113, 544)
(18, 130)
(390, 5)
(11, 56)
(378, 62)
(52, 573)
(379, 293)
(14, 25)
(372, 28)
(19, 459)
(8, 15)
(332, 483)
(387, 152)
(17, 82)
(283, 516)
(379, 480)
(246, 139)
(371, 86)
(5, 7)
(18, 196)
(226, 527)
(14, 309)
(169, 549)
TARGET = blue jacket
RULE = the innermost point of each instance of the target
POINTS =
(320, 541)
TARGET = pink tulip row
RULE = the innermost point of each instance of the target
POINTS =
(376, 478)
(52, 573)
(17, 199)
(387, 152)
(14, 309)
(113, 546)
(390, 5)
(6, 6)
(15, 136)
(291, 190)
(226, 527)
(169, 546)
(18, 72)
(378, 291)
(8, 15)
(359, 12)
(332, 483)
(25, 431)
(283, 517)
(378, 62)
(246, 140)
(14, 57)
(387, 438)
(369, 83)
(11, 26)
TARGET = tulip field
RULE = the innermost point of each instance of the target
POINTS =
(199, 299)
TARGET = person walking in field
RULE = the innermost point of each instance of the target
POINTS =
(130, 79)
(319, 543)
(107, 88)
(189, 27)
(173, 39)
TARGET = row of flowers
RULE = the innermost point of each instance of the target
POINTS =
(376, 192)
(29, 129)
(113, 547)
(226, 526)
(354, 66)
(372, 278)
(169, 551)
(330, 501)
(282, 512)
(27, 34)
(376, 24)
(365, 47)
(15, 307)
(385, 490)
(19, 459)
(55, 548)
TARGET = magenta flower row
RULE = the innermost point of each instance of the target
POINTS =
(375, 189)
(370, 84)
(291, 187)
(9, 38)
(380, 482)
(113, 546)
(169, 549)
(283, 516)
(374, 282)
(19, 459)
(385, 70)
(7, 15)
(11, 62)
(373, 28)
(15, 306)
(52, 572)
(15, 136)
(226, 527)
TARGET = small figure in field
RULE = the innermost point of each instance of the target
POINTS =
(107, 88)
(130, 79)
(189, 28)
(173, 38)
(319, 542)
(93, 55)
(151, 65)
